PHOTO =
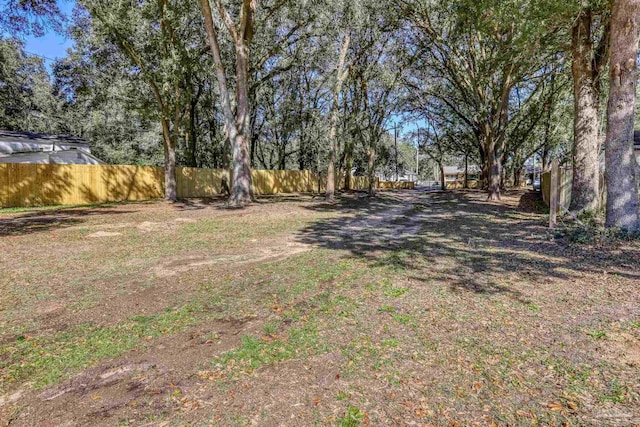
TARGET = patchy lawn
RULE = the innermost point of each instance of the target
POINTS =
(409, 309)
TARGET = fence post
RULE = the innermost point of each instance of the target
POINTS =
(553, 194)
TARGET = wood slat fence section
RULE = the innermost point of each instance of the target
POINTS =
(563, 186)
(396, 185)
(283, 181)
(195, 182)
(23, 185)
(457, 185)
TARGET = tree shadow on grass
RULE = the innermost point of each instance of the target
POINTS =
(460, 238)
(35, 222)
(532, 202)
(199, 203)
(220, 202)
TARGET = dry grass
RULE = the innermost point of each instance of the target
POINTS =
(409, 309)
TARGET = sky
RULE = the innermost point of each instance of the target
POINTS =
(51, 46)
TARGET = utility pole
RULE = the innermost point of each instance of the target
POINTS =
(418, 157)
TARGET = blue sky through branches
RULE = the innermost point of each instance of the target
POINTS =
(51, 46)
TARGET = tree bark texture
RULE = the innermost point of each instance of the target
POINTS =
(466, 170)
(371, 169)
(237, 124)
(341, 74)
(494, 168)
(584, 190)
(621, 168)
(170, 187)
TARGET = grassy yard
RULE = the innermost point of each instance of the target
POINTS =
(436, 309)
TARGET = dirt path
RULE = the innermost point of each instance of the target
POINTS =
(409, 309)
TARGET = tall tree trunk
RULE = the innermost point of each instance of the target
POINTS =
(331, 167)
(546, 157)
(213, 131)
(584, 189)
(341, 74)
(237, 126)
(252, 151)
(347, 172)
(241, 182)
(621, 168)
(348, 163)
(494, 134)
(302, 147)
(494, 168)
(484, 169)
(192, 137)
(546, 147)
(466, 170)
(517, 175)
(170, 192)
(371, 168)
(443, 184)
(282, 155)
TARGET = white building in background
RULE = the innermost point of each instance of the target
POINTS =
(403, 175)
(27, 147)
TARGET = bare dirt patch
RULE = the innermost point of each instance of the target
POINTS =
(111, 273)
(146, 382)
(408, 309)
(266, 251)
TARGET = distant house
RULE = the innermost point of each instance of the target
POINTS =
(452, 173)
(454, 176)
(27, 147)
(403, 175)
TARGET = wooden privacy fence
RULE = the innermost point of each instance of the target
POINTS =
(457, 184)
(356, 182)
(563, 186)
(194, 182)
(24, 184)
(556, 188)
(396, 185)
